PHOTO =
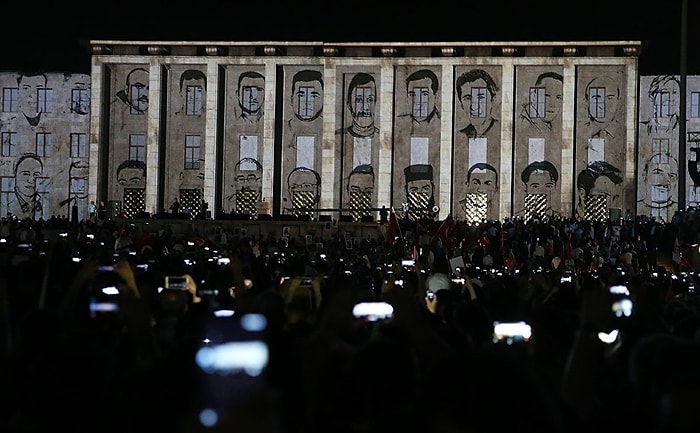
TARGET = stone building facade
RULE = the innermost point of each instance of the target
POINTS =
(662, 138)
(475, 130)
(472, 130)
(44, 129)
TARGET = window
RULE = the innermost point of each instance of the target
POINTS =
(306, 145)
(307, 96)
(537, 102)
(43, 143)
(137, 147)
(7, 187)
(662, 104)
(250, 98)
(43, 190)
(363, 100)
(596, 102)
(10, 98)
(9, 144)
(419, 101)
(79, 101)
(195, 100)
(477, 107)
(660, 146)
(138, 99)
(535, 149)
(78, 145)
(596, 149)
(192, 148)
(248, 148)
(419, 150)
(45, 100)
(695, 104)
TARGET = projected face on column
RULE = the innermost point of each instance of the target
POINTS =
(419, 190)
(660, 176)
(304, 189)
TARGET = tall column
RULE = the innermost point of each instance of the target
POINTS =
(631, 137)
(446, 127)
(210, 136)
(153, 139)
(268, 138)
(95, 137)
(505, 171)
(329, 150)
(382, 180)
(567, 175)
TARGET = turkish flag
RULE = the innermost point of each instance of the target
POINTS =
(443, 232)
(393, 229)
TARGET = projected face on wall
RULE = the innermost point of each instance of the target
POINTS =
(660, 177)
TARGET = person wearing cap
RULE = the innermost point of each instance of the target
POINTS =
(440, 300)
(436, 282)
(420, 191)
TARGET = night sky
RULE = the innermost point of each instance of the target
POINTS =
(55, 38)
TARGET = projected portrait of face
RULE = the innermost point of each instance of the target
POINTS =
(34, 96)
(307, 95)
(135, 91)
(304, 190)
(247, 186)
(422, 94)
(660, 181)
(362, 99)
(251, 95)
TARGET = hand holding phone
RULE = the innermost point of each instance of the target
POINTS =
(373, 311)
(175, 282)
(511, 332)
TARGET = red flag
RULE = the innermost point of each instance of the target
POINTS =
(393, 229)
(443, 232)
(568, 248)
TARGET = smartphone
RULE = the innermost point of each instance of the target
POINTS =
(101, 307)
(430, 295)
(175, 282)
(408, 263)
(622, 307)
(373, 311)
(619, 289)
(511, 332)
(231, 362)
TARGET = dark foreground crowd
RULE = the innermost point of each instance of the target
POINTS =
(114, 328)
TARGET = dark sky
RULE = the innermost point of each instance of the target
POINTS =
(56, 39)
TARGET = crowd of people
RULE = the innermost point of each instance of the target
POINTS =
(114, 327)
